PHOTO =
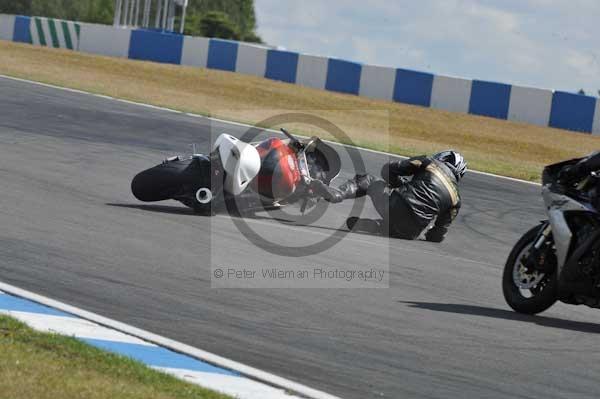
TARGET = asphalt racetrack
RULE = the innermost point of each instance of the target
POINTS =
(71, 230)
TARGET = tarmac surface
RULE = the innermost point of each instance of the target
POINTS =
(71, 230)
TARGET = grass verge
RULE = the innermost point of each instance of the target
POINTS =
(39, 365)
(496, 146)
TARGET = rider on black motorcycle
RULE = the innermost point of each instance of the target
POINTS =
(581, 169)
(407, 206)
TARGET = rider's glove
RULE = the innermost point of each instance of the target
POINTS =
(318, 188)
(322, 190)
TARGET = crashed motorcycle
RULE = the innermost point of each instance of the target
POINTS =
(558, 260)
(242, 176)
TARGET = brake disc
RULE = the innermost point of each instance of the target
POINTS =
(524, 279)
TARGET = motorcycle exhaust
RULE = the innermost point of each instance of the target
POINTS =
(204, 195)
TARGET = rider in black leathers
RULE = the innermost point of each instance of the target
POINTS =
(407, 206)
(581, 169)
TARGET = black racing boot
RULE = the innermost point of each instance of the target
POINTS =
(365, 225)
(353, 188)
(356, 187)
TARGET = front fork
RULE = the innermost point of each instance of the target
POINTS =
(535, 259)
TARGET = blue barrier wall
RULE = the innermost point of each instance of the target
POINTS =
(343, 76)
(489, 99)
(497, 100)
(155, 46)
(412, 87)
(22, 33)
(282, 65)
(572, 111)
(222, 54)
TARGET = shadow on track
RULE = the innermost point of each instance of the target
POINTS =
(182, 210)
(553, 322)
(292, 222)
(175, 210)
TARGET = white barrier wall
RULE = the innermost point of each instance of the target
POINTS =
(7, 26)
(596, 127)
(451, 94)
(377, 82)
(55, 33)
(312, 71)
(195, 51)
(557, 109)
(530, 105)
(251, 60)
(105, 40)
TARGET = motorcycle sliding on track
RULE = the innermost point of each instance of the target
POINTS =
(277, 172)
(558, 260)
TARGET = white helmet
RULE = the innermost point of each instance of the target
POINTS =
(240, 160)
(454, 161)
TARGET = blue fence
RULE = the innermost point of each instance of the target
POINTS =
(282, 65)
(22, 32)
(155, 46)
(497, 100)
(343, 76)
(412, 87)
(222, 54)
(489, 99)
(572, 111)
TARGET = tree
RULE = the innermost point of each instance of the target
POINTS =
(95, 11)
(19, 7)
(99, 11)
(247, 22)
(254, 38)
(229, 19)
(218, 24)
(239, 12)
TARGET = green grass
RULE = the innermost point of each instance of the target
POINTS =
(36, 365)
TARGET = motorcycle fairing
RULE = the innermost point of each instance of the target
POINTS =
(279, 172)
(557, 204)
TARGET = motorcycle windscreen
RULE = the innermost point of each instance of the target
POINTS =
(279, 172)
(324, 162)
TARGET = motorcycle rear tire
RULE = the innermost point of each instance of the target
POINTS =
(160, 182)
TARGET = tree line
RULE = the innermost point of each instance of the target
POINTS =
(226, 19)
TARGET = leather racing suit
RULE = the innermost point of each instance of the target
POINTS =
(407, 206)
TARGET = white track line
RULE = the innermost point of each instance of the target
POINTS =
(72, 326)
(247, 371)
(106, 97)
(235, 386)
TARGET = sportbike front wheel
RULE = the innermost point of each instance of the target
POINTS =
(525, 290)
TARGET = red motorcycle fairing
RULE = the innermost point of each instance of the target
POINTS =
(279, 173)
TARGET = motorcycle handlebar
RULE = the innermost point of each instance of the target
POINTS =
(293, 139)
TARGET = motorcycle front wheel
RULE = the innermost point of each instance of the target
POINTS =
(526, 291)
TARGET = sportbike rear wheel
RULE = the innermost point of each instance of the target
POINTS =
(529, 291)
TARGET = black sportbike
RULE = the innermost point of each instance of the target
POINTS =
(558, 260)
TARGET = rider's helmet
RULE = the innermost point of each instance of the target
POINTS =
(240, 160)
(454, 161)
